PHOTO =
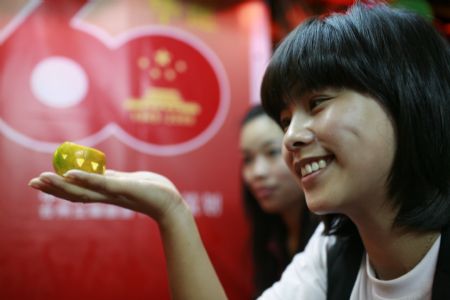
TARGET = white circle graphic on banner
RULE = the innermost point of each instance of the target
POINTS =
(59, 82)
(63, 82)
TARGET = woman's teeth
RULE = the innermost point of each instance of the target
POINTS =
(314, 166)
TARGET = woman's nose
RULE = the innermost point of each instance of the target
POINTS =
(260, 167)
(298, 133)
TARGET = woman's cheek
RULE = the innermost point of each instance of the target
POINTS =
(287, 157)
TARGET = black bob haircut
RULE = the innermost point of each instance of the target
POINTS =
(398, 58)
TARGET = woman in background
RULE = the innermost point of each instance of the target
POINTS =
(281, 223)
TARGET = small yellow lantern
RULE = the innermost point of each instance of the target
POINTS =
(73, 156)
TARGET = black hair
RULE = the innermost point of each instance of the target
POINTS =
(401, 60)
(269, 232)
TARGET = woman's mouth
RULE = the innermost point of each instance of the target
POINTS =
(312, 165)
(263, 192)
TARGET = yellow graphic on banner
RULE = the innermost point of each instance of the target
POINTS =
(163, 106)
(162, 69)
(163, 57)
(201, 17)
(195, 15)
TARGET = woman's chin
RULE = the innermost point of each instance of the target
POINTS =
(320, 207)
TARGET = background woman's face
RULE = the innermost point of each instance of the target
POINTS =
(264, 169)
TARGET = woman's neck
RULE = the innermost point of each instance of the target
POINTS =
(393, 252)
(292, 221)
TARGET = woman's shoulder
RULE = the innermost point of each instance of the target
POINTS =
(317, 247)
(307, 273)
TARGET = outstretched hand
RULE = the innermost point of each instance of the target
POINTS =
(145, 192)
(191, 274)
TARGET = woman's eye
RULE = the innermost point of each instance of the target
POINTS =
(315, 102)
(273, 152)
(246, 160)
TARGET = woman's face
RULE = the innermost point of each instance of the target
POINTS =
(264, 169)
(340, 144)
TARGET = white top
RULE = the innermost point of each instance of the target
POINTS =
(306, 276)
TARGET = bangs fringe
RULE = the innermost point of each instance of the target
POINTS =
(313, 57)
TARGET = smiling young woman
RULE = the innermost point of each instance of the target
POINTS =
(363, 98)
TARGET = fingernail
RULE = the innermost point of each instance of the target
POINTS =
(35, 184)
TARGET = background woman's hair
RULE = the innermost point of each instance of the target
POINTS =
(398, 58)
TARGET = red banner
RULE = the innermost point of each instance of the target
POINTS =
(156, 85)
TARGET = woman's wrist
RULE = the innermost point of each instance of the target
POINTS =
(178, 213)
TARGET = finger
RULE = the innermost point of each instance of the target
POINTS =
(139, 175)
(141, 191)
(109, 184)
(113, 173)
(55, 185)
